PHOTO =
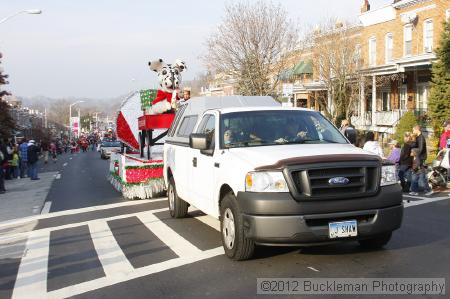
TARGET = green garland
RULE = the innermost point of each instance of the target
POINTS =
(145, 166)
(118, 178)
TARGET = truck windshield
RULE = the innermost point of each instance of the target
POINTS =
(271, 127)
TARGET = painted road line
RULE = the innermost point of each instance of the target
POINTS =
(314, 269)
(140, 272)
(46, 208)
(177, 243)
(81, 210)
(109, 252)
(424, 201)
(139, 244)
(211, 221)
(58, 176)
(31, 280)
(65, 164)
(9, 238)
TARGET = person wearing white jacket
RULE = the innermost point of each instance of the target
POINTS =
(372, 146)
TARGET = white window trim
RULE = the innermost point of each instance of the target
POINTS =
(425, 37)
(400, 89)
(372, 62)
(447, 14)
(404, 40)
(386, 49)
(426, 87)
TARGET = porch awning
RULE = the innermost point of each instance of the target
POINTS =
(303, 67)
(285, 75)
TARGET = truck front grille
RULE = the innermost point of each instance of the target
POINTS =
(314, 181)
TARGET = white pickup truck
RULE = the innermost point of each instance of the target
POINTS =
(276, 176)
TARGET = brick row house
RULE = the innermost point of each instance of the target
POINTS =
(398, 43)
(394, 48)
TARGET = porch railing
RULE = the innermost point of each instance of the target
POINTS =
(387, 118)
(362, 120)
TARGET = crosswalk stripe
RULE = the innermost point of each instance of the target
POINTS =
(78, 211)
(109, 252)
(177, 243)
(10, 238)
(139, 272)
(31, 278)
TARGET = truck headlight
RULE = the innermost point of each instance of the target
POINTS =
(265, 182)
(388, 175)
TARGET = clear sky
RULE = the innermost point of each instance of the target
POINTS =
(100, 48)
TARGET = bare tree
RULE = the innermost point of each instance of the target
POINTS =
(336, 53)
(59, 112)
(252, 45)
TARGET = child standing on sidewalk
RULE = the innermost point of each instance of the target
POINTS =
(14, 164)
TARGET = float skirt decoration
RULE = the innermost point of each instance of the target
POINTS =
(142, 182)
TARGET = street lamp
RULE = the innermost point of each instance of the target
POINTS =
(28, 11)
(70, 118)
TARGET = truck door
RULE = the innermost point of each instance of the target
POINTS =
(203, 165)
(183, 156)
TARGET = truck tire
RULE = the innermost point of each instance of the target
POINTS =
(235, 244)
(376, 242)
(177, 207)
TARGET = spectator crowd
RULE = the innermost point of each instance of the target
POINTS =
(20, 160)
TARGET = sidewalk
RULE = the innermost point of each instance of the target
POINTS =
(24, 197)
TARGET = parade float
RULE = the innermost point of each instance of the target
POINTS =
(142, 123)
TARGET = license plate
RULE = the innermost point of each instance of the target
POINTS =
(343, 229)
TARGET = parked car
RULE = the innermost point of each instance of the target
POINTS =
(277, 175)
(107, 147)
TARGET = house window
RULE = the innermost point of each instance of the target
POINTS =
(422, 97)
(407, 40)
(403, 97)
(428, 36)
(372, 51)
(357, 57)
(386, 103)
(389, 46)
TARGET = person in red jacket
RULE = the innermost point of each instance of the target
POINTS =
(443, 142)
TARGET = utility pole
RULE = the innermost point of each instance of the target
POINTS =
(45, 118)
(79, 123)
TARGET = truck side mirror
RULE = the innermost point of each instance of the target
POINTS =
(199, 141)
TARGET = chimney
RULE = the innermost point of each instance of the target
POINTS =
(365, 7)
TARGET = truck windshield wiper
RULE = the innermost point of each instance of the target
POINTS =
(301, 141)
(250, 142)
(325, 140)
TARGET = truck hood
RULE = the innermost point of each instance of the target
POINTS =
(279, 156)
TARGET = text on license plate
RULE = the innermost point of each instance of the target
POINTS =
(343, 229)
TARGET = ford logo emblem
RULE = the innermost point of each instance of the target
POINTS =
(338, 181)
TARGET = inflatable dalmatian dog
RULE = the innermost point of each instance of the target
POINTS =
(169, 76)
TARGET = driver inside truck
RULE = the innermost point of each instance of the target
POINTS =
(293, 133)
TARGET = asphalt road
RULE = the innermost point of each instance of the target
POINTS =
(83, 183)
(94, 244)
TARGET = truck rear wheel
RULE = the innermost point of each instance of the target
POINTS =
(235, 244)
(177, 207)
(376, 242)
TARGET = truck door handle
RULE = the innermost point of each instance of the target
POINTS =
(217, 165)
(194, 161)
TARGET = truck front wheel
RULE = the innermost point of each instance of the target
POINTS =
(235, 244)
(177, 207)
